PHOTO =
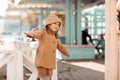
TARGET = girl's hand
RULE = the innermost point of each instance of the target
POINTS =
(68, 55)
(28, 35)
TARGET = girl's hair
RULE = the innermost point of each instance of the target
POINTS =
(56, 34)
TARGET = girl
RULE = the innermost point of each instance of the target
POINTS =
(45, 60)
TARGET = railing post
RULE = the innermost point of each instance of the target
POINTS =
(15, 67)
(55, 75)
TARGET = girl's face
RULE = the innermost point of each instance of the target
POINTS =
(54, 26)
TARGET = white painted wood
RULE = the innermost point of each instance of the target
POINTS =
(7, 45)
(111, 41)
(15, 67)
(28, 63)
(7, 51)
(27, 58)
(30, 66)
(17, 57)
(19, 65)
(5, 58)
(55, 74)
(33, 76)
(11, 69)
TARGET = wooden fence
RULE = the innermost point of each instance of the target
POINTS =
(17, 54)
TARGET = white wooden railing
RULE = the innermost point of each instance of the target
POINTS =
(17, 54)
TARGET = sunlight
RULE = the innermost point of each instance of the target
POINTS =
(16, 2)
(91, 65)
(3, 6)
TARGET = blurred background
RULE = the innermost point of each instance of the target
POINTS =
(18, 16)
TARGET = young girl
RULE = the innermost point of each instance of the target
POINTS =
(45, 60)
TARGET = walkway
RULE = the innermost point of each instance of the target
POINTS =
(81, 70)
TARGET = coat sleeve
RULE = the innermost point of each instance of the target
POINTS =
(36, 34)
(62, 49)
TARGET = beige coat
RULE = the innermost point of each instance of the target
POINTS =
(47, 45)
(46, 51)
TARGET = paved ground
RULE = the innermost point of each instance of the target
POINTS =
(73, 70)
(81, 70)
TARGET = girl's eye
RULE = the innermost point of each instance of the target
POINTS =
(57, 23)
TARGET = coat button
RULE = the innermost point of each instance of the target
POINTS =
(54, 42)
(53, 51)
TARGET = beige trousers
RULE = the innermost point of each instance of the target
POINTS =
(44, 71)
(45, 77)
